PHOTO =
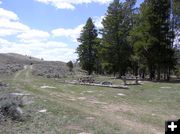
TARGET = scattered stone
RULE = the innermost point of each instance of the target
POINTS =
(106, 83)
(90, 118)
(150, 100)
(71, 99)
(82, 98)
(64, 116)
(52, 94)
(43, 87)
(120, 94)
(11, 104)
(165, 87)
(15, 112)
(19, 94)
(42, 111)
(89, 91)
(12, 111)
(100, 94)
(84, 133)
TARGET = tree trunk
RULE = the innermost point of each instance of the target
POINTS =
(152, 73)
(143, 74)
(159, 73)
(168, 74)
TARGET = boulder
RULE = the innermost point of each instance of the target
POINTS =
(10, 104)
(106, 83)
(15, 112)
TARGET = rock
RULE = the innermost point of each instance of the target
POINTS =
(84, 133)
(15, 112)
(43, 87)
(89, 91)
(82, 98)
(120, 94)
(166, 87)
(12, 99)
(106, 83)
(12, 111)
(42, 111)
(10, 104)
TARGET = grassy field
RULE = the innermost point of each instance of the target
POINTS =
(75, 109)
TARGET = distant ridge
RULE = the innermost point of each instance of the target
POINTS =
(12, 62)
(10, 58)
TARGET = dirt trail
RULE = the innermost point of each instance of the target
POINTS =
(18, 74)
(28, 70)
(23, 73)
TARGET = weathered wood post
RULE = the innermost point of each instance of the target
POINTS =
(124, 80)
(136, 81)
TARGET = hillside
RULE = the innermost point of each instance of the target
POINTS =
(9, 58)
(11, 63)
(51, 69)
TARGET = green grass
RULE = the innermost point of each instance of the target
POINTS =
(72, 109)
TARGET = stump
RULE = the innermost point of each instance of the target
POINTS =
(124, 80)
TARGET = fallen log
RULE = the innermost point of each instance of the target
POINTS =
(99, 85)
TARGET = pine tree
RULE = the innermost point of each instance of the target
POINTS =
(154, 36)
(176, 12)
(87, 48)
(116, 48)
(70, 65)
(176, 21)
(176, 26)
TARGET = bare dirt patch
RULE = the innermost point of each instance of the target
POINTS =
(81, 98)
(73, 127)
(94, 101)
(47, 87)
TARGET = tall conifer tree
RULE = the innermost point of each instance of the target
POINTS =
(117, 24)
(87, 48)
(154, 36)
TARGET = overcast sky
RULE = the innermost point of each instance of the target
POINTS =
(47, 28)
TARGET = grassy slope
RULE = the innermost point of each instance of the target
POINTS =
(72, 109)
